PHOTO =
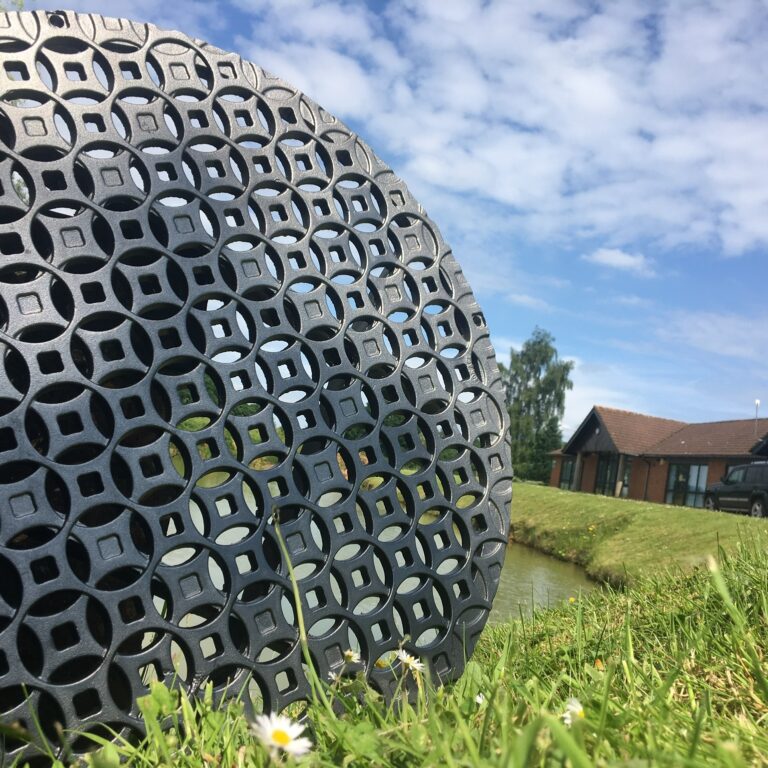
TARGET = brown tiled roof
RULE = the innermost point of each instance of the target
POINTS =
(635, 433)
(713, 438)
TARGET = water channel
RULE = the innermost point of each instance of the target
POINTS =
(530, 578)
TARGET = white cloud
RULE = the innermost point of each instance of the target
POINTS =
(616, 122)
(718, 333)
(617, 259)
(532, 302)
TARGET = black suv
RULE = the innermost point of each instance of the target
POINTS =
(743, 489)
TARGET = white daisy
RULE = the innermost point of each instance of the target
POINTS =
(351, 657)
(279, 734)
(573, 711)
(411, 663)
(480, 699)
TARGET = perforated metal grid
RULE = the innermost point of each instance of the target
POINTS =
(216, 302)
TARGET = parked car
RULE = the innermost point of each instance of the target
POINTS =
(743, 489)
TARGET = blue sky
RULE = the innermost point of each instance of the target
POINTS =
(600, 169)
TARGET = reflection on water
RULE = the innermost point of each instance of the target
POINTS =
(533, 578)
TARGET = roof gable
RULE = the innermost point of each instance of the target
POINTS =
(620, 431)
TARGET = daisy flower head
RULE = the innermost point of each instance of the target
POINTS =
(480, 699)
(351, 657)
(573, 711)
(280, 734)
(410, 663)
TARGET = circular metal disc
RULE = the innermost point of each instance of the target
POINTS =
(228, 333)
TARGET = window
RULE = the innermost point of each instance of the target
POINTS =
(737, 475)
(566, 473)
(607, 467)
(626, 476)
(686, 484)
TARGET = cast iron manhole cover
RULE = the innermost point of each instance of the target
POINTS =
(217, 305)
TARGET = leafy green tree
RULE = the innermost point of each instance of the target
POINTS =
(535, 383)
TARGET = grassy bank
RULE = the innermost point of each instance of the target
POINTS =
(669, 672)
(617, 540)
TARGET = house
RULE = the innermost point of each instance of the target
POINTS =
(632, 455)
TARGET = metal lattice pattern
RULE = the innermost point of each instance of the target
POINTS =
(215, 302)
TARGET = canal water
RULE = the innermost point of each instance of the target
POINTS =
(530, 578)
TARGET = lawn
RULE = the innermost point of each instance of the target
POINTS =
(668, 672)
(617, 540)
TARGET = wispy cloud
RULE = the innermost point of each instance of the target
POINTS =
(626, 262)
(718, 333)
(532, 302)
(619, 122)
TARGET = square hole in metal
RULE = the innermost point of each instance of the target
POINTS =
(54, 180)
(208, 449)
(211, 646)
(240, 381)
(131, 609)
(270, 318)
(233, 218)
(171, 525)
(69, 423)
(215, 169)
(243, 119)
(74, 72)
(4, 667)
(198, 119)
(287, 369)
(150, 285)
(7, 440)
(342, 523)
(246, 563)
(221, 329)
(10, 244)
(111, 350)
(131, 229)
(203, 275)
(166, 172)
(169, 338)
(261, 164)
(389, 393)
(93, 293)
(16, 70)
(130, 70)
(285, 680)
(225, 506)
(94, 123)
(306, 419)
(65, 636)
(344, 157)
(50, 362)
(44, 569)
(151, 466)
(187, 393)
(132, 407)
(86, 703)
(332, 357)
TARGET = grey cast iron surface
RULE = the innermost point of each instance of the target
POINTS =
(215, 303)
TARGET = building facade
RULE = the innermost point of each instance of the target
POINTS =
(632, 455)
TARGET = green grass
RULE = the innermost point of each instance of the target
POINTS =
(617, 540)
(670, 672)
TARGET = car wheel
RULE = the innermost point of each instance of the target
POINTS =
(709, 503)
(757, 508)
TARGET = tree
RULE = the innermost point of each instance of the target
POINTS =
(535, 383)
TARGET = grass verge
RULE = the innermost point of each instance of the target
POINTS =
(617, 540)
(669, 671)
